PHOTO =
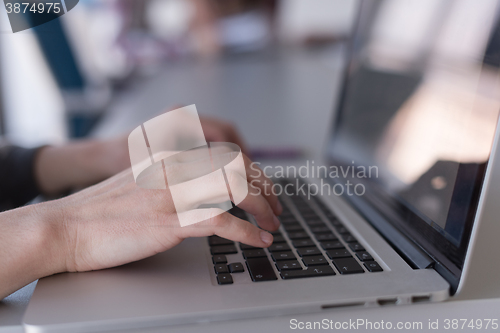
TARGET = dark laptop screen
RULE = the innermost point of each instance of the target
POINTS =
(421, 103)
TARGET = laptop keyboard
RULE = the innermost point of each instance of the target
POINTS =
(320, 246)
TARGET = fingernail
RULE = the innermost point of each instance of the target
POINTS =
(276, 221)
(279, 207)
(266, 237)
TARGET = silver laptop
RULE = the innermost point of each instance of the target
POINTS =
(385, 217)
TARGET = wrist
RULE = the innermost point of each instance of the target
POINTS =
(96, 160)
(114, 156)
(53, 237)
(35, 246)
(59, 169)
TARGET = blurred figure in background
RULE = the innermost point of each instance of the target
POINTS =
(123, 37)
(53, 171)
(156, 29)
(77, 67)
(233, 25)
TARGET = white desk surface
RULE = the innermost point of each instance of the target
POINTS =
(280, 100)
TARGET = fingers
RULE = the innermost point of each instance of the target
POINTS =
(230, 227)
(259, 207)
(212, 189)
(257, 178)
(234, 137)
(216, 130)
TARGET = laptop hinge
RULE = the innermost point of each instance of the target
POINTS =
(406, 248)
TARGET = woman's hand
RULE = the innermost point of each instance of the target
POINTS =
(116, 222)
(83, 163)
(113, 223)
(220, 131)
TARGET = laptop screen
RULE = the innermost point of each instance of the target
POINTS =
(420, 106)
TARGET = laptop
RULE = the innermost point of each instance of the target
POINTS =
(389, 215)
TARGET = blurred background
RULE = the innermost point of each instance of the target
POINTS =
(108, 65)
(272, 67)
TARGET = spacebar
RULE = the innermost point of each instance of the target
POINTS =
(310, 272)
(260, 269)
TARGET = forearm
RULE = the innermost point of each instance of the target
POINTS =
(31, 246)
(78, 164)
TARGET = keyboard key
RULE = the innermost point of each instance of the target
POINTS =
(216, 240)
(300, 202)
(323, 207)
(330, 215)
(236, 267)
(221, 268)
(325, 237)
(287, 219)
(303, 208)
(282, 181)
(373, 266)
(219, 259)
(338, 253)
(288, 265)
(309, 272)
(260, 269)
(336, 223)
(315, 223)
(279, 247)
(298, 235)
(289, 222)
(315, 261)
(293, 227)
(236, 210)
(348, 238)
(332, 245)
(321, 230)
(242, 216)
(277, 256)
(278, 239)
(356, 247)
(224, 278)
(303, 243)
(286, 209)
(254, 254)
(342, 230)
(310, 215)
(223, 249)
(239, 213)
(320, 204)
(364, 256)
(308, 251)
(347, 266)
(275, 233)
(249, 247)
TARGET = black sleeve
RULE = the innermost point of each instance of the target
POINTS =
(17, 179)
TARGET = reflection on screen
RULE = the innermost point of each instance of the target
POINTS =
(422, 103)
